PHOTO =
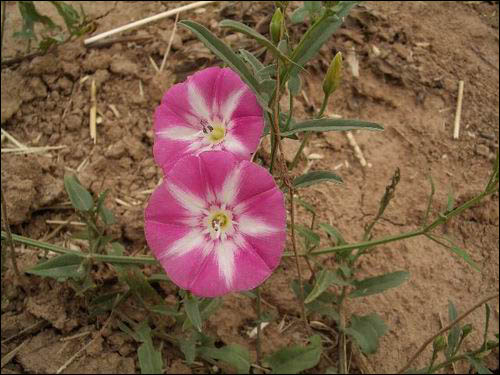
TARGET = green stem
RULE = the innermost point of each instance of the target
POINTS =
(308, 134)
(364, 244)
(259, 321)
(96, 257)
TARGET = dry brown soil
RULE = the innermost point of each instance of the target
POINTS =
(411, 56)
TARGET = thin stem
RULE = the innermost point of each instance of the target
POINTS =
(444, 329)
(308, 134)
(259, 321)
(455, 359)
(299, 272)
(5, 220)
(342, 341)
(95, 257)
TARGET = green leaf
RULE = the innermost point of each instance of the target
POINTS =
(234, 355)
(366, 330)
(318, 34)
(294, 85)
(188, 348)
(221, 50)
(325, 278)
(309, 207)
(296, 358)
(252, 60)
(150, 359)
(193, 311)
(299, 15)
(107, 216)
(478, 365)
(312, 6)
(378, 284)
(329, 124)
(454, 334)
(463, 254)
(259, 38)
(315, 177)
(334, 234)
(163, 309)
(69, 14)
(323, 308)
(30, 17)
(310, 238)
(267, 72)
(451, 202)
(60, 267)
(209, 306)
(79, 196)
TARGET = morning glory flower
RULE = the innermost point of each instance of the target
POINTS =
(216, 224)
(212, 110)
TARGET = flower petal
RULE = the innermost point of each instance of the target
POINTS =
(234, 98)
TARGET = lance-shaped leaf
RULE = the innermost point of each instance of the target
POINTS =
(235, 355)
(79, 196)
(261, 39)
(331, 124)
(325, 278)
(378, 284)
(193, 311)
(60, 267)
(318, 34)
(297, 358)
(316, 177)
(226, 54)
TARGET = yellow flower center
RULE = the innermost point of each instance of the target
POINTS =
(219, 223)
(217, 134)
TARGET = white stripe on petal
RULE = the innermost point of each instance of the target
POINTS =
(224, 253)
(229, 106)
(231, 143)
(253, 226)
(192, 240)
(230, 187)
(180, 133)
(188, 201)
(197, 102)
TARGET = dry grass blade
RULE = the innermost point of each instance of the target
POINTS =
(30, 150)
(146, 21)
(12, 139)
(8, 357)
(93, 112)
(170, 41)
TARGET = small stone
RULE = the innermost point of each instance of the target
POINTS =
(483, 150)
(122, 65)
(73, 122)
(116, 150)
(65, 85)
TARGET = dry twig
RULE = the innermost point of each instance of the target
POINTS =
(458, 113)
(170, 41)
(145, 21)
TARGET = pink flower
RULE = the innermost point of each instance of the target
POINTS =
(212, 110)
(216, 224)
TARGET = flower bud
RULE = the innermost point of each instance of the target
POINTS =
(439, 344)
(330, 4)
(333, 75)
(281, 4)
(275, 26)
(466, 329)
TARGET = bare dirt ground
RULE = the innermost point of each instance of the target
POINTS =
(411, 56)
